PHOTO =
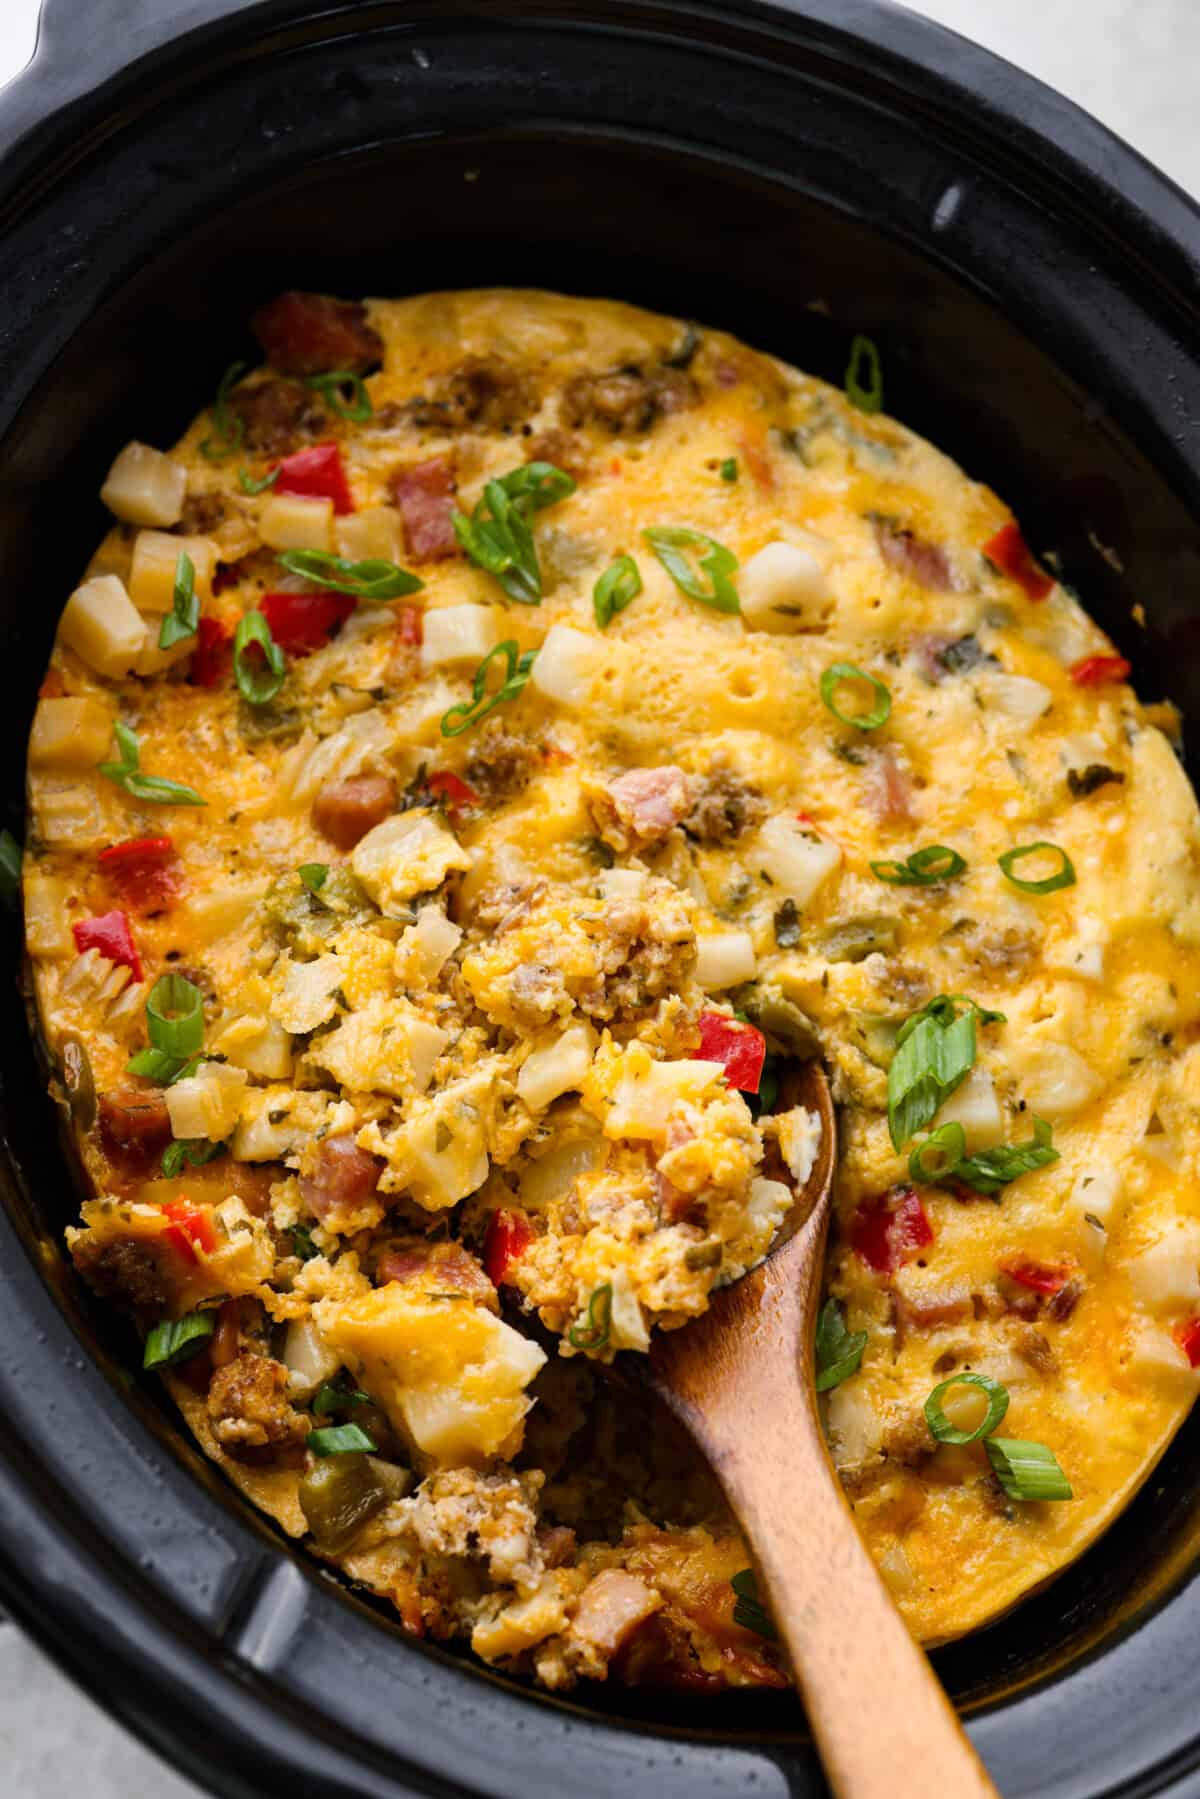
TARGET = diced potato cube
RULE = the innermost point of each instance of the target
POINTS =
(220, 911)
(974, 1105)
(647, 1090)
(407, 854)
(372, 535)
(1015, 698)
(70, 733)
(306, 998)
(207, 1104)
(386, 1048)
(1156, 1356)
(277, 1122)
(725, 958)
(47, 920)
(152, 660)
(1166, 1276)
(796, 859)
(102, 625)
(308, 1358)
(558, 1068)
(626, 1320)
(152, 571)
(292, 521)
(450, 1375)
(426, 947)
(68, 812)
(522, 1624)
(1056, 1079)
(144, 487)
(566, 665)
(255, 1043)
(784, 588)
(458, 634)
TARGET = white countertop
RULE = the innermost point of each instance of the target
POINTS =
(1132, 63)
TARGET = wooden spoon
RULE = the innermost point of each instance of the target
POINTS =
(740, 1377)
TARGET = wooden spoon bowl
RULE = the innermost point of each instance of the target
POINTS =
(740, 1377)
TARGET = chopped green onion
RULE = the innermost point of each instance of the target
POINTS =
(729, 469)
(594, 1335)
(257, 686)
(498, 536)
(10, 870)
(864, 376)
(370, 580)
(184, 617)
(460, 718)
(839, 1351)
(618, 587)
(941, 1427)
(127, 774)
(302, 1243)
(935, 1052)
(831, 680)
(229, 428)
(749, 1610)
(990, 1169)
(949, 1143)
(331, 1397)
(1027, 1470)
(671, 544)
(248, 484)
(195, 1151)
(1063, 877)
(314, 875)
(175, 1015)
(924, 868)
(340, 1439)
(175, 1340)
(331, 387)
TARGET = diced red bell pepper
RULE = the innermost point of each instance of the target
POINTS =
(1094, 671)
(410, 625)
(738, 1047)
(1187, 1336)
(888, 1231)
(190, 1229)
(1039, 1277)
(509, 1235)
(1010, 553)
(144, 871)
(457, 793)
(303, 622)
(109, 933)
(212, 658)
(318, 475)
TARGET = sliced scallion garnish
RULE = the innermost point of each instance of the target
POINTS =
(335, 1396)
(1027, 1471)
(175, 1340)
(935, 1052)
(314, 875)
(729, 469)
(988, 1170)
(344, 391)
(340, 1439)
(248, 484)
(674, 545)
(302, 1242)
(618, 587)
(997, 1404)
(369, 580)
(498, 536)
(10, 870)
(229, 429)
(839, 672)
(864, 375)
(749, 1610)
(257, 686)
(183, 619)
(594, 1334)
(839, 1351)
(924, 868)
(469, 712)
(127, 774)
(192, 1151)
(1064, 875)
(175, 1015)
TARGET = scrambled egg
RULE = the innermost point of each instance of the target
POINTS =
(499, 735)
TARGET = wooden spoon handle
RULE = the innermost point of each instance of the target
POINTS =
(884, 1726)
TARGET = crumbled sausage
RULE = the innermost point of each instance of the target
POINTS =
(252, 1418)
(314, 334)
(483, 391)
(202, 513)
(723, 807)
(1065, 1301)
(135, 1126)
(627, 400)
(345, 811)
(124, 1271)
(502, 765)
(1033, 1348)
(276, 414)
(926, 563)
(641, 807)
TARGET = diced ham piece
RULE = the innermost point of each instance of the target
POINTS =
(453, 1267)
(344, 811)
(344, 1177)
(611, 1608)
(424, 495)
(135, 1126)
(887, 791)
(315, 334)
(646, 804)
(928, 1311)
(926, 563)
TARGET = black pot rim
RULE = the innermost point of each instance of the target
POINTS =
(148, 1661)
